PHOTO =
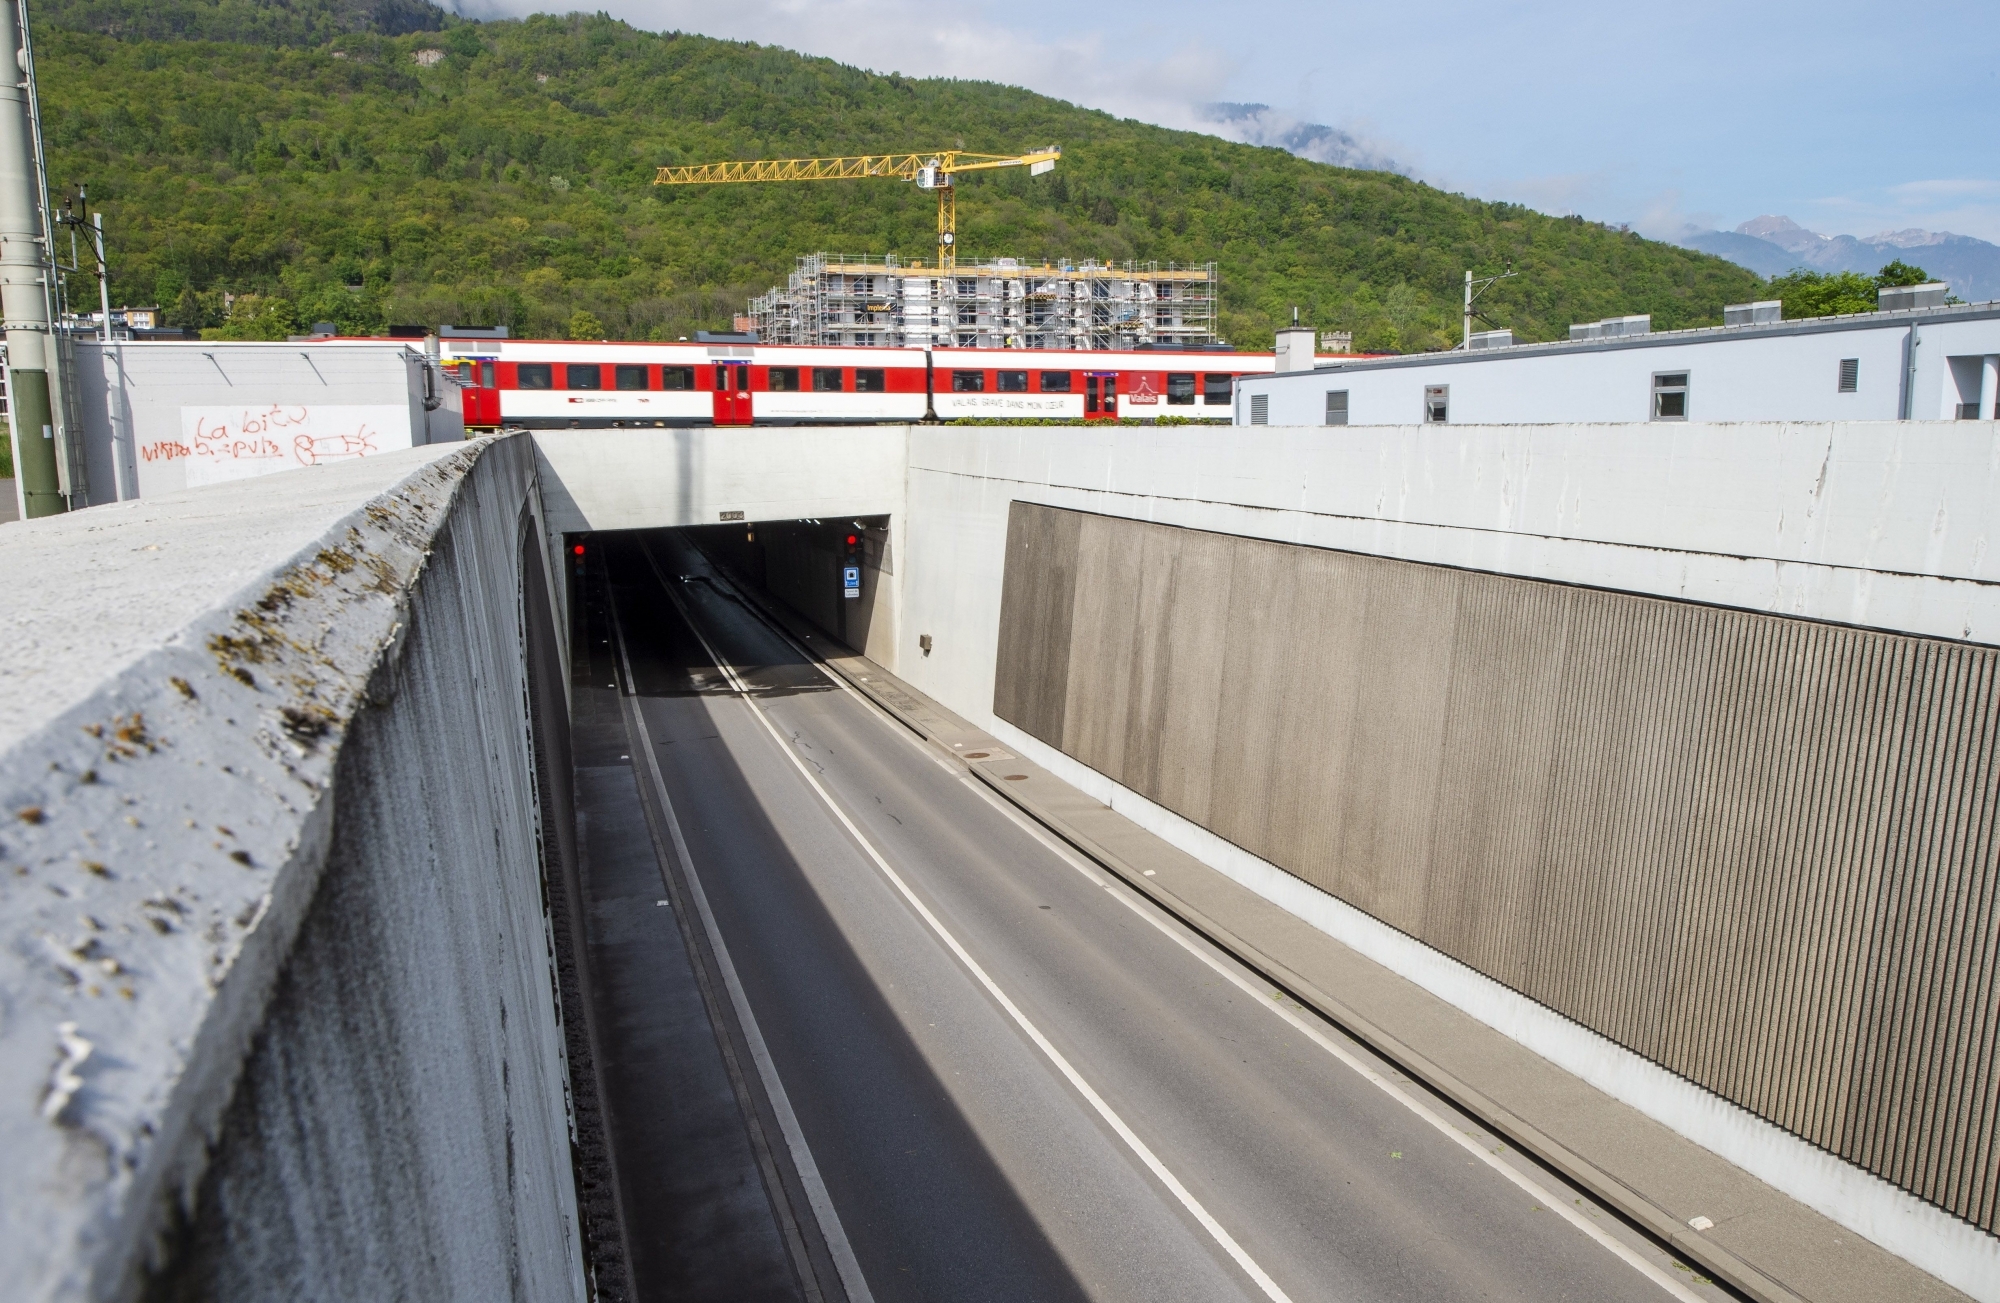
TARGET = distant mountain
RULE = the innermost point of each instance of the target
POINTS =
(1260, 124)
(1772, 246)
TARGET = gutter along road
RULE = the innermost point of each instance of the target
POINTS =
(974, 1065)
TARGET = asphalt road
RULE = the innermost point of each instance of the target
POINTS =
(1013, 1078)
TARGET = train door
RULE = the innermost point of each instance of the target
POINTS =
(482, 393)
(1100, 396)
(732, 393)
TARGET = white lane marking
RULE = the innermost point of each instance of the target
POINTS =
(1076, 1079)
(1200, 949)
(844, 1261)
(1543, 1196)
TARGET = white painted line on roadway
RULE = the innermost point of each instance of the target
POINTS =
(851, 1278)
(1194, 945)
(1076, 1079)
(1231, 973)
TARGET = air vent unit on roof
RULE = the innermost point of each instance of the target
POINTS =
(1902, 298)
(1761, 313)
(1491, 339)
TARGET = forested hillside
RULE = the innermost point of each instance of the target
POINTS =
(308, 168)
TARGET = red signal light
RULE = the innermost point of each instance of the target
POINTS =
(851, 540)
(578, 549)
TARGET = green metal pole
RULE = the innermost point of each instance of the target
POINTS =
(34, 442)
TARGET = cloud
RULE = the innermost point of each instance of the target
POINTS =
(1260, 124)
(1961, 205)
(939, 39)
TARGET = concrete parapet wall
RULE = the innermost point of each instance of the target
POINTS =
(280, 1017)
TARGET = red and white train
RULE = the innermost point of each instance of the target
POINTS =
(544, 384)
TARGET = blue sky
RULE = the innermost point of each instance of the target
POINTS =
(1847, 117)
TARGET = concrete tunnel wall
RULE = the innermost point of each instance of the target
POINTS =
(1884, 526)
(283, 1017)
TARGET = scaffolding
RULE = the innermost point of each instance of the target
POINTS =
(837, 299)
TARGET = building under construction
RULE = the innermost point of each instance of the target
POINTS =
(997, 303)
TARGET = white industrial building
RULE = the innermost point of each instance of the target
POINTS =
(1928, 361)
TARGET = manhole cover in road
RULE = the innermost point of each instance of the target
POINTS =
(977, 755)
(1017, 778)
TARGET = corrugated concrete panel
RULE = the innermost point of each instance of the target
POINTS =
(1758, 851)
(1037, 605)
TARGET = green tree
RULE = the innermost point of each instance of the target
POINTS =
(583, 324)
(1900, 273)
(1828, 294)
(296, 150)
(1822, 294)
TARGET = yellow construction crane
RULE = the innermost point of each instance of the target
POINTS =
(930, 171)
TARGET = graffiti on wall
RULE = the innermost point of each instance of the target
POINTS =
(232, 443)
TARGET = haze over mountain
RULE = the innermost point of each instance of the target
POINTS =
(1773, 245)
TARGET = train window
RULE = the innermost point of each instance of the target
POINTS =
(784, 379)
(1012, 382)
(1215, 389)
(535, 375)
(676, 377)
(870, 380)
(1055, 382)
(629, 377)
(826, 380)
(486, 375)
(968, 382)
(584, 377)
(1180, 388)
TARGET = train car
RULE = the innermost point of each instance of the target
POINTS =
(1089, 386)
(542, 384)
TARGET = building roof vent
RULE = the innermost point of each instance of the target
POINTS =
(1613, 326)
(1491, 339)
(1902, 298)
(1761, 313)
(472, 332)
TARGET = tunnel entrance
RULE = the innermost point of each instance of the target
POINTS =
(837, 572)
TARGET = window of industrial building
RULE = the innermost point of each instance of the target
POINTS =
(676, 377)
(629, 377)
(869, 380)
(1011, 382)
(968, 382)
(1437, 404)
(1180, 388)
(1055, 382)
(534, 375)
(968, 288)
(1670, 396)
(1336, 407)
(967, 341)
(584, 377)
(826, 380)
(1215, 389)
(1850, 374)
(784, 380)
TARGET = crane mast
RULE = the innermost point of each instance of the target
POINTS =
(933, 171)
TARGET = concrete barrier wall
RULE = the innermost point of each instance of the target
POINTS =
(1757, 851)
(1858, 525)
(281, 1016)
(650, 479)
